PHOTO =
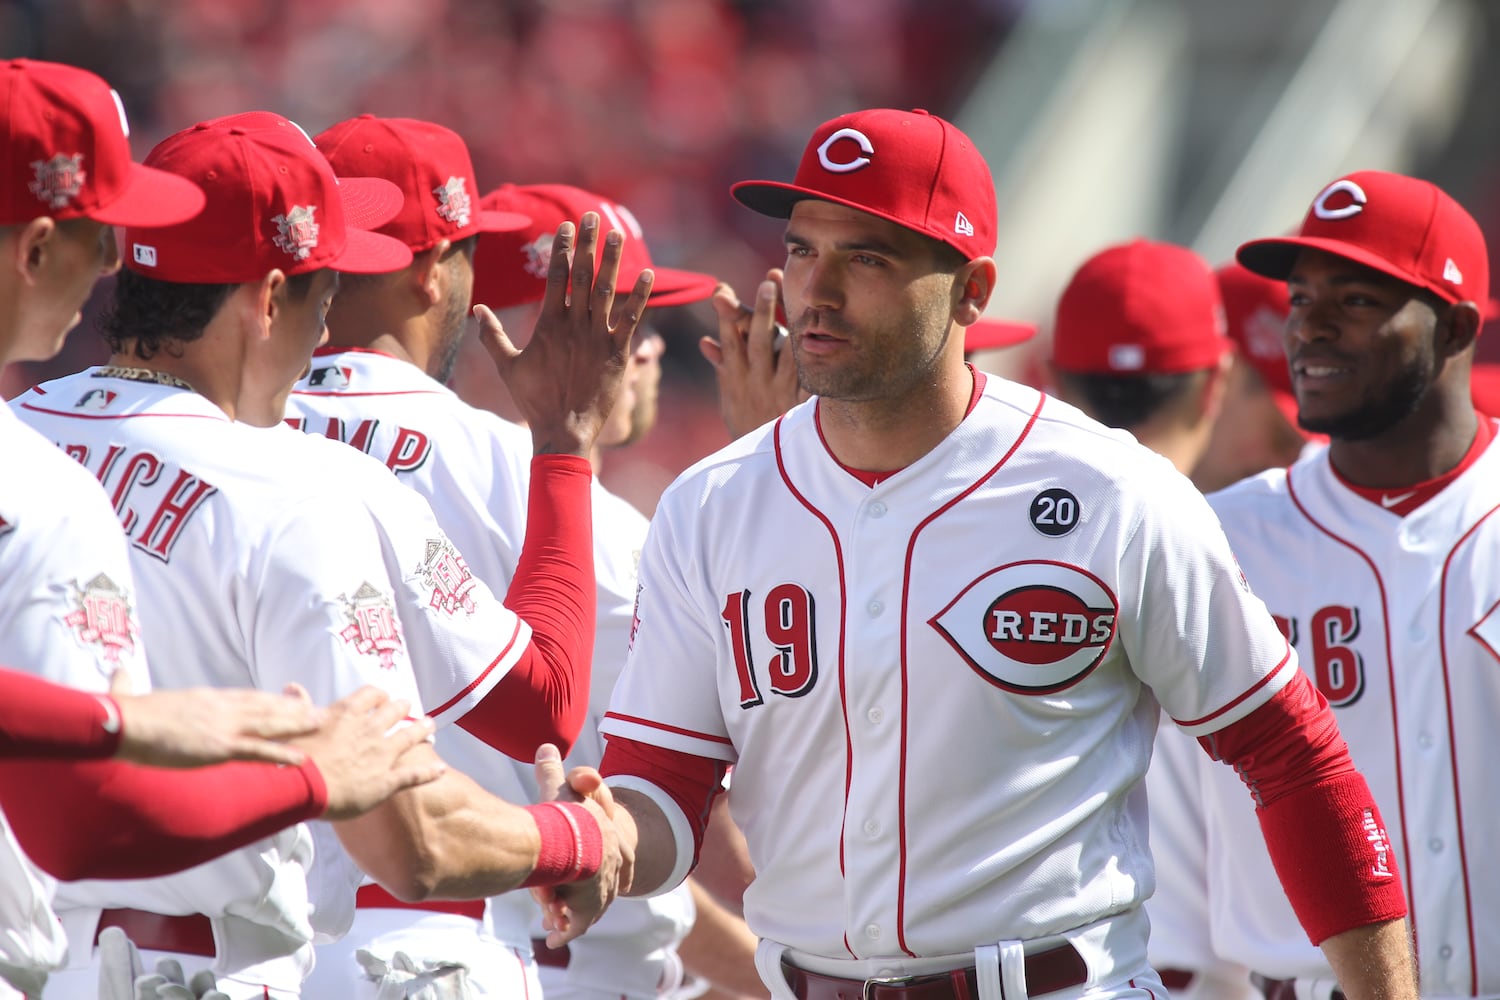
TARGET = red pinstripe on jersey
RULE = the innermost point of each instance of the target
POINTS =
(838, 554)
(1458, 801)
(1385, 617)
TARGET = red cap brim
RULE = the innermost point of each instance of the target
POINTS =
(152, 198)
(990, 334)
(369, 202)
(371, 253)
(775, 198)
(673, 287)
(490, 221)
(1274, 258)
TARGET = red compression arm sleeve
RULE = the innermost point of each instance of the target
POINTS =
(42, 719)
(1322, 828)
(691, 781)
(544, 698)
(112, 819)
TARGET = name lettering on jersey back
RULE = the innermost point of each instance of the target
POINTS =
(1336, 666)
(409, 450)
(1031, 627)
(153, 499)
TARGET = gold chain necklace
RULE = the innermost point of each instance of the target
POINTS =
(142, 375)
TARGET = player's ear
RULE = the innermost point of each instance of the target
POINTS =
(972, 287)
(430, 273)
(33, 241)
(270, 300)
(1457, 327)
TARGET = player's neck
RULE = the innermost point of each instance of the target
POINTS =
(1413, 451)
(888, 434)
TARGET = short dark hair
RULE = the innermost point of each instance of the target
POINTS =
(1127, 401)
(148, 316)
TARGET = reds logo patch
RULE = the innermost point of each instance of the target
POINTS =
(446, 573)
(330, 377)
(102, 620)
(1032, 627)
(59, 180)
(453, 201)
(538, 254)
(297, 231)
(373, 628)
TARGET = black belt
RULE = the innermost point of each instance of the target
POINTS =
(1058, 968)
(1284, 989)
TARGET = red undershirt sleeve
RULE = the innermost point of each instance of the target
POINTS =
(691, 781)
(42, 719)
(112, 819)
(1323, 830)
(544, 698)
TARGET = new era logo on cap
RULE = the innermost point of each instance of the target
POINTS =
(908, 167)
(1397, 225)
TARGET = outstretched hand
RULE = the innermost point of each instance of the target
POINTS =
(194, 727)
(363, 759)
(753, 363)
(569, 910)
(567, 379)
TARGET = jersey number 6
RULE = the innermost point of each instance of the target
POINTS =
(788, 623)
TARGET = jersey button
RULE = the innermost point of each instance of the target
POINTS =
(1435, 845)
(1417, 633)
(877, 509)
(872, 930)
(872, 828)
(875, 715)
(1446, 951)
(1425, 741)
(875, 608)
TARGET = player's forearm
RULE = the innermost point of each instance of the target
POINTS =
(544, 698)
(645, 825)
(1374, 962)
(110, 819)
(720, 948)
(724, 867)
(42, 719)
(446, 840)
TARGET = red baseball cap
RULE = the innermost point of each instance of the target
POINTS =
(273, 202)
(1256, 309)
(67, 153)
(1140, 308)
(1400, 226)
(510, 268)
(431, 166)
(908, 167)
(990, 334)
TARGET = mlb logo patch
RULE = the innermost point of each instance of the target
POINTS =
(95, 399)
(144, 255)
(330, 377)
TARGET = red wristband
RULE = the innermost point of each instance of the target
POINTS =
(572, 844)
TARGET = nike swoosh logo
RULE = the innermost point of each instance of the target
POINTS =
(1389, 502)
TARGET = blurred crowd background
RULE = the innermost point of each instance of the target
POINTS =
(1201, 121)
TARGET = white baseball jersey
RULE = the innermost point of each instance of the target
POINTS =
(67, 613)
(937, 693)
(474, 468)
(265, 556)
(1397, 621)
